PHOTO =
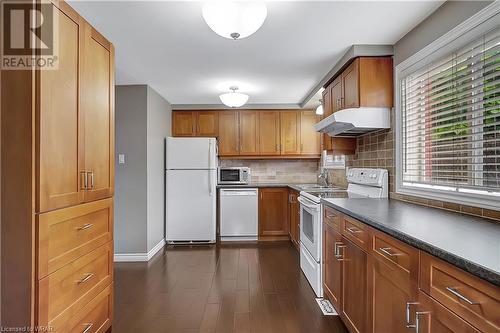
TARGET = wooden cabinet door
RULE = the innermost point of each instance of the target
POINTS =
(327, 110)
(273, 210)
(332, 266)
(97, 104)
(337, 94)
(293, 218)
(350, 85)
(183, 123)
(60, 154)
(309, 138)
(228, 133)
(290, 132)
(249, 132)
(269, 132)
(433, 317)
(207, 123)
(354, 287)
(391, 290)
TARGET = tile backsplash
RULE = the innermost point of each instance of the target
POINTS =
(376, 150)
(278, 171)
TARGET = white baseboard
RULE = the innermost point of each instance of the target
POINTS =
(135, 257)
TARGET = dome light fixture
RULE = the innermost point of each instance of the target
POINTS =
(234, 19)
(233, 99)
(319, 109)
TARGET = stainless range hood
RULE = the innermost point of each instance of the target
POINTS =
(355, 121)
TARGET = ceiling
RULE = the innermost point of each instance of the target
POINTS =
(167, 45)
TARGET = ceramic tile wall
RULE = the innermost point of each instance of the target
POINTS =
(376, 150)
(278, 171)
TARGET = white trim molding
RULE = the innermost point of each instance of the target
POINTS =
(464, 33)
(138, 257)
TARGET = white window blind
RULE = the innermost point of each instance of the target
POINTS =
(450, 113)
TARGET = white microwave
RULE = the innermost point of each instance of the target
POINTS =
(233, 175)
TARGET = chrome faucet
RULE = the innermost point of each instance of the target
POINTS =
(323, 177)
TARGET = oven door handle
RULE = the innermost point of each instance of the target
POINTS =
(303, 202)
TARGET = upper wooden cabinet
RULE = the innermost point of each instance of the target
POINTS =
(76, 119)
(365, 82)
(97, 104)
(309, 138)
(249, 132)
(253, 133)
(195, 123)
(61, 124)
(183, 123)
(269, 133)
(228, 133)
(290, 132)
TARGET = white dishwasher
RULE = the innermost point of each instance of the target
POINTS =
(238, 214)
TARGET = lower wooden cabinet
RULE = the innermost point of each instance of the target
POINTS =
(294, 218)
(391, 291)
(354, 286)
(273, 213)
(379, 284)
(332, 265)
(432, 317)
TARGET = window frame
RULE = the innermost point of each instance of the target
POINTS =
(463, 34)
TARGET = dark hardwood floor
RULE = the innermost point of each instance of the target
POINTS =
(224, 288)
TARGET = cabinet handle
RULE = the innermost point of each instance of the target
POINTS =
(85, 226)
(462, 297)
(408, 324)
(91, 177)
(88, 326)
(353, 230)
(83, 180)
(339, 256)
(87, 277)
(417, 319)
(385, 250)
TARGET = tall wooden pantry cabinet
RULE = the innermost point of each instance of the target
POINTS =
(57, 167)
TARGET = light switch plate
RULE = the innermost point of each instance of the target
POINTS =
(121, 158)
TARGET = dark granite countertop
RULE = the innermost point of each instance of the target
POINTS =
(470, 243)
(296, 187)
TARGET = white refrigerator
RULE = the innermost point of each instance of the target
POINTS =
(191, 180)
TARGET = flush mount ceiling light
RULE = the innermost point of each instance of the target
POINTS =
(319, 109)
(234, 19)
(233, 99)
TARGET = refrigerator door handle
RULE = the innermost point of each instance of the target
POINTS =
(210, 191)
(210, 154)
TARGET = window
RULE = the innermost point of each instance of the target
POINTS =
(449, 123)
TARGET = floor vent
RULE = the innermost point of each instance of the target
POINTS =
(326, 307)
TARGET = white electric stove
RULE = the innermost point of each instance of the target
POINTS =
(362, 183)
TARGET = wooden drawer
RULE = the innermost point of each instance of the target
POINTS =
(435, 318)
(473, 299)
(66, 234)
(332, 217)
(66, 291)
(355, 231)
(394, 252)
(95, 317)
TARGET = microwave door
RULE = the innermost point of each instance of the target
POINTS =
(230, 176)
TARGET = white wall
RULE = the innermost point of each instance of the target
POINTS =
(159, 117)
(142, 124)
(130, 178)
